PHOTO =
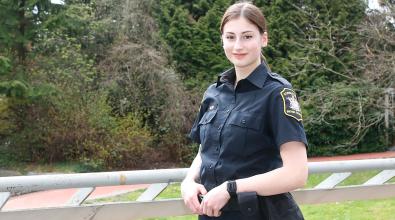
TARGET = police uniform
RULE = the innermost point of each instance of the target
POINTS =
(241, 130)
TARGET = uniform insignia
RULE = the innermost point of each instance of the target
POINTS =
(291, 104)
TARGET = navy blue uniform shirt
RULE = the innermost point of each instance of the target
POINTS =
(241, 129)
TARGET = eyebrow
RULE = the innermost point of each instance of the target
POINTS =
(241, 32)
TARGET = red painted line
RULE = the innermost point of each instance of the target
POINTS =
(388, 154)
(50, 198)
(59, 197)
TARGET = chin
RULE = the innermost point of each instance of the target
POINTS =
(241, 63)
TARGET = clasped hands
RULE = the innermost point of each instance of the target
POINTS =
(212, 202)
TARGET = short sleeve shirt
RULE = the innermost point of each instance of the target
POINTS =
(242, 129)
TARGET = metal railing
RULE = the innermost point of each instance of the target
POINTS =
(147, 207)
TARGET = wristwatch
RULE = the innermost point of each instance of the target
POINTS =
(231, 187)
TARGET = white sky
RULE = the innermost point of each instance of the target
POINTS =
(374, 4)
(57, 2)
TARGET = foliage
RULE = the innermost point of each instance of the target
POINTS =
(356, 106)
(21, 24)
(352, 109)
(195, 44)
(320, 46)
(145, 85)
(116, 84)
(130, 142)
(5, 117)
(94, 86)
(47, 90)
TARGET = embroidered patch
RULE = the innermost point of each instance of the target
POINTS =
(291, 104)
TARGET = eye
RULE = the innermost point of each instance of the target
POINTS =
(247, 37)
(229, 37)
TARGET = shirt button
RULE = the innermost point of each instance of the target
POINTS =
(219, 127)
(211, 166)
(227, 111)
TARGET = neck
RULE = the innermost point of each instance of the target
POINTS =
(244, 72)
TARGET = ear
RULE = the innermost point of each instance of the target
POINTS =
(264, 39)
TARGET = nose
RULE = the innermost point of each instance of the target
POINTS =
(238, 44)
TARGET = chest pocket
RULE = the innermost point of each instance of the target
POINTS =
(243, 133)
(204, 124)
(245, 120)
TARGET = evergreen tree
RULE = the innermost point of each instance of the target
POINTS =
(314, 44)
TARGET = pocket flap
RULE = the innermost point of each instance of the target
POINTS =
(245, 120)
(249, 205)
(207, 117)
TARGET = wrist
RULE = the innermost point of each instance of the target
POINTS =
(188, 180)
(231, 187)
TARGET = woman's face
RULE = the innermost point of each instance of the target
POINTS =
(242, 43)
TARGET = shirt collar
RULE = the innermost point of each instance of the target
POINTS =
(229, 76)
(257, 77)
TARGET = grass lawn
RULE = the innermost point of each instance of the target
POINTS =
(383, 209)
(359, 210)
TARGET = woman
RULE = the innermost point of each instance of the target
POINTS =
(249, 130)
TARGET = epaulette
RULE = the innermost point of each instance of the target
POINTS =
(279, 78)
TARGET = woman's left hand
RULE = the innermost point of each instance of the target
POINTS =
(214, 200)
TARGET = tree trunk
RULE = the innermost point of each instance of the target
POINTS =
(21, 49)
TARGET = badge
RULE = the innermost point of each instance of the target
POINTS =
(291, 104)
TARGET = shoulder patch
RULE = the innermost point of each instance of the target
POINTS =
(291, 104)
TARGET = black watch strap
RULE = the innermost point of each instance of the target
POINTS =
(231, 186)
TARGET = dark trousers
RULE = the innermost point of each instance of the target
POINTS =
(226, 215)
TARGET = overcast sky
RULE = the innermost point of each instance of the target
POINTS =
(58, 2)
(373, 4)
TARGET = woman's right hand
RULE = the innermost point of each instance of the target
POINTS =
(190, 191)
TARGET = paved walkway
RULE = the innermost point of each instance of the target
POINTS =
(52, 198)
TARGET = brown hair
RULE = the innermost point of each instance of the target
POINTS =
(250, 12)
(246, 10)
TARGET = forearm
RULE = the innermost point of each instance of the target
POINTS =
(274, 182)
(292, 175)
(190, 188)
(194, 170)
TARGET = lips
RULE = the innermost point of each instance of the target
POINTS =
(239, 55)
